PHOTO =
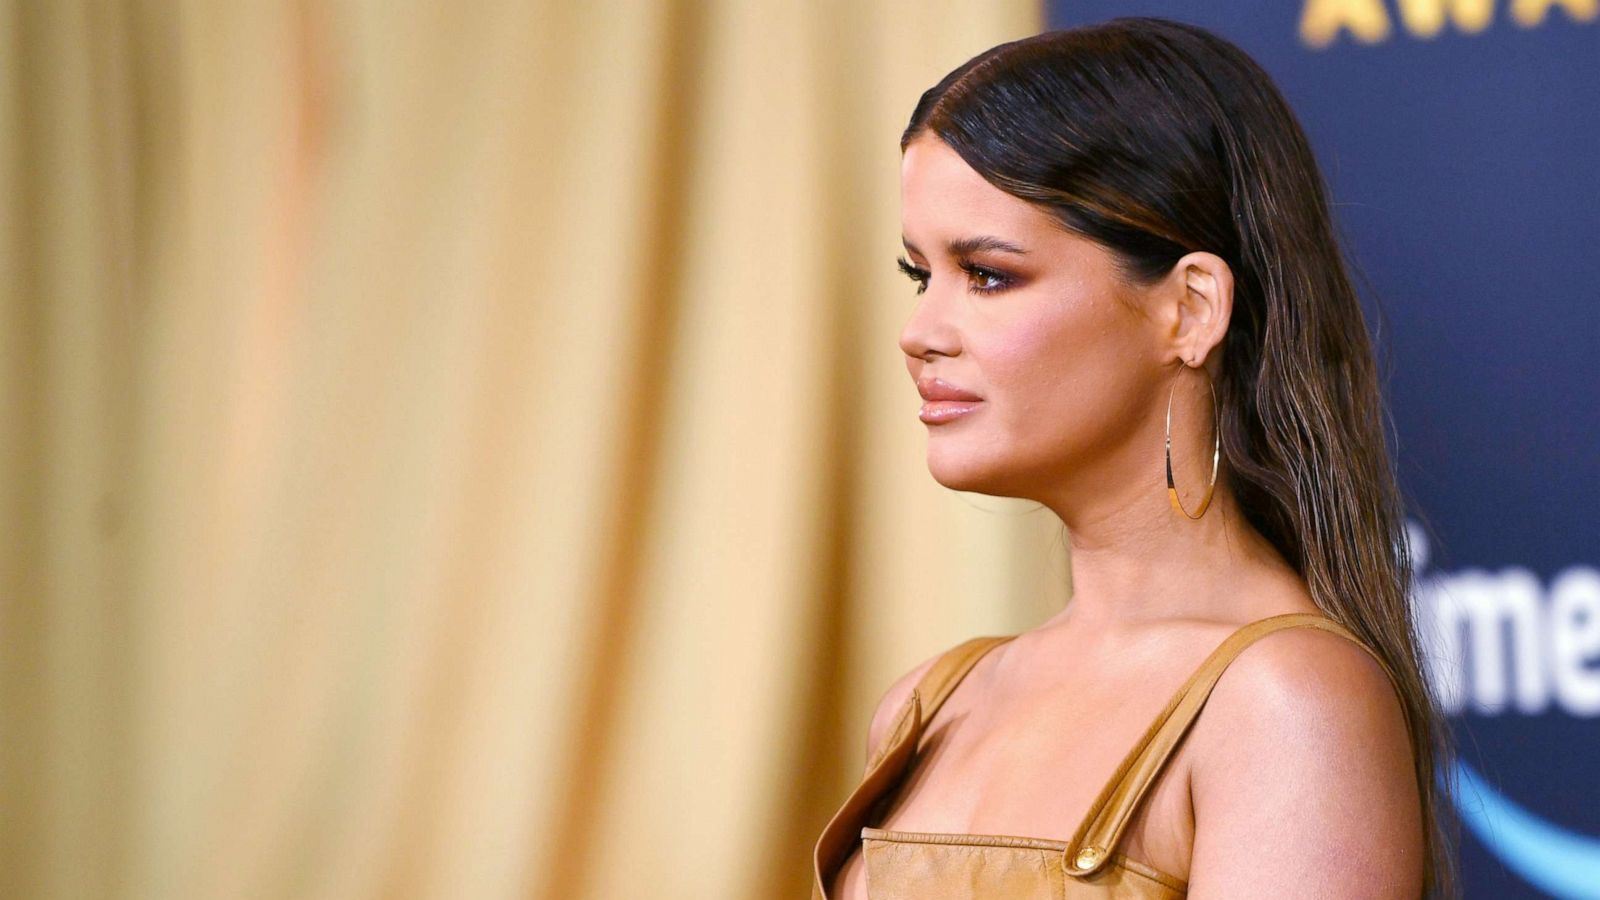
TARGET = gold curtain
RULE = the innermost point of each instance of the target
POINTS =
(461, 450)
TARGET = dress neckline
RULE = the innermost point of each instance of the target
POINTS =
(1019, 842)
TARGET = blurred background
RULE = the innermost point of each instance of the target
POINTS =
(461, 449)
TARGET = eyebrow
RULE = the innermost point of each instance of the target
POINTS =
(969, 245)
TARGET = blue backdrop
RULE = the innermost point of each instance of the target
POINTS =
(1463, 155)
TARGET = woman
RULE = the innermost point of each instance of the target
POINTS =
(1133, 310)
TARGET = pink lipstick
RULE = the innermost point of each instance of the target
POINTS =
(944, 402)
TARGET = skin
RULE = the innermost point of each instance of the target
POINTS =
(1297, 778)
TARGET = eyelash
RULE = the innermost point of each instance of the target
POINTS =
(920, 276)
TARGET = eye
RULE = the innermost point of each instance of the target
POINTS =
(998, 281)
(992, 280)
(920, 276)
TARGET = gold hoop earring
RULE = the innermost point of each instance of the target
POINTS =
(1216, 451)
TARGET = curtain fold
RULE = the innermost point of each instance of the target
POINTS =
(462, 450)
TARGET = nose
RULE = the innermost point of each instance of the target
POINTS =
(929, 330)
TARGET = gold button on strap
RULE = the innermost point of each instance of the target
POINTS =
(1087, 857)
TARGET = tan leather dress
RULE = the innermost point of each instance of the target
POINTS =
(903, 865)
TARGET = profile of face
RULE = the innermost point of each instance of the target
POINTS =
(1071, 362)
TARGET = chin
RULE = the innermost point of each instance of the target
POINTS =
(987, 464)
(961, 470)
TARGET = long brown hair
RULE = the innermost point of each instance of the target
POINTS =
(1156, 138)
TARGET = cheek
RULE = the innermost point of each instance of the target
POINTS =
(1062, 377)
(1037, 364)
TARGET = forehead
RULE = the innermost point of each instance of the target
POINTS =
(940, 192)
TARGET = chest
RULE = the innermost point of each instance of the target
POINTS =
(1029, 770)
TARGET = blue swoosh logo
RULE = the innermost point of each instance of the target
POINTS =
(1559, 862)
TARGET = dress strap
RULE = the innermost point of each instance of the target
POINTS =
(939, 682)
(1108, 816)
(892, 756)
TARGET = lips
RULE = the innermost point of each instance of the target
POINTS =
(945, 402)
(939, 389)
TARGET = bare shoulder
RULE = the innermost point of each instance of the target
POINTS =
(893, 699)
(1303, 776)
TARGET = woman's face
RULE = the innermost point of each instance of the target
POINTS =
(1034, 320)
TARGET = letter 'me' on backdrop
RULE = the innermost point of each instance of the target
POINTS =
(1461, 142)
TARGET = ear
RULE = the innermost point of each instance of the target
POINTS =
(1201, 288)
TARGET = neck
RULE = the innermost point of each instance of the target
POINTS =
(1137, 561)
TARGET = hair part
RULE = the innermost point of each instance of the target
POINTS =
(1156, 138)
